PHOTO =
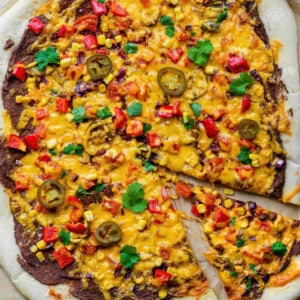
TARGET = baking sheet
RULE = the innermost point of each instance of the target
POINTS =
(7, 289)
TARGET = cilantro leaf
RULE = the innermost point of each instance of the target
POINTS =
(99, 187)
(278, 248)
(63, 174)
(234, 274)
(232, 221)
(135, 109)
(201, 53)
(147, 127)
(104, 113)
(170, 31)
(79, 114)
(196, 108)
(148, 166)
(73, 149)
(81, 192)
(189, 123)
(252, 267)
(223, 15)
(101, 1)
(130, 48)
(166, 20)
(243, 156)
(238, 85)
(46, 57)
(65, 237)
(249, 284)
(52, 152)
(129, 256)
(133, 199)
(240, 242)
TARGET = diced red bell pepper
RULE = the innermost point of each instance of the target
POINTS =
(77, 211)
(99, 8)
(175, 55)
(163, 276)
(210, 201)
(164, 251)
(36, 25)
(210, 127)
(117, 9)
(20, 71)
(40, 131)
(114, 90)
(244, 172)
(89, 249)
(32, 141)
(86, 22)
(62, 105)
(65, 30)
(176, 147)
(90, 41)
(165, 111)
(134, 128)
(63, 257)
(15, 142)
(154, 140)
(76, 228)
(164, 193)
(246, 104)
(265, 226)
(222, 217)
(194, 210)
(132, 88)
(237, 64)
(112, 206)
(44, 157)
(146, 3)
(183, 189)
(102, 51)
(22, 183)
(120, 118)
(176, 108)
(50, 234)
(41, 113)
(154, 206)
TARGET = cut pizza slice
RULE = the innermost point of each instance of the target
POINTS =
(255, 251)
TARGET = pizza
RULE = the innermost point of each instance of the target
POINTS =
(106, 104)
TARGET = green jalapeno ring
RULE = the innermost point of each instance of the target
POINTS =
(248, 129)
(99, 66)
(108, 233)
(51, 194)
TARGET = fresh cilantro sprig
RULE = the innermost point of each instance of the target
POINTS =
(98, 187)
(189, 123)
(79, 114)
(201, 53)
(223, 15)
(104, 113)
(238, 85)
(240, 242)
(101, 1)
(130, 48)
(46, 57)
(169, 25)
(73, 149)
(148, 166)
(133, 199)
(65, 237)
(232, 221)
(129, 256)
(253, 268)
(135, 109)
(52, 152)
(243, 156)
(249, 284)
(81, 192)
(147, 127)
(278, 248)
(196, 108)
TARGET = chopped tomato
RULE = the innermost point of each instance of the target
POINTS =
(20, 71)
(246, 104)
(256, 254)
(77, 211)
(44, 158)
(40, 131)
(154, 140)
(237, 64)
(53, 169)
(89, 249)
(154, 206)
(65, 30)
(62, 105)
(41, 113)
(216, 165)
(15, 142)
(120, 118)
(146, 3)
(36, 25)
(164, 251)
(164, 193)
(210, 127)
(244, 172)
(22, 182)
(210, 201)
(50, 234)
(135, 128)
(112, 206)
(32, 141)
(63, 257)
(194, 210)
(99, 8)
(247, 144)
(265, 226)
(132, 88)
(175, 55)
(183, 189)
(222, 217)
(90, 41)
(176, 147)
(165, 111)
(117, 9)
(176, 108)
(76, 228)
(114, 91)
(224, 142)
(87, 22)
(163, 276)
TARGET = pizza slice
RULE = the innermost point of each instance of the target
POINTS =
(255, 251)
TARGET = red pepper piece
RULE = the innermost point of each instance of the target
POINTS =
(114, 91)
(86, 22)
(210, 127)
(50, 234)
(20, 71)
(89, 249)
(154, 140)
(210, 201)
(154, 206)
(90, 42)
(41, 113)
(222, 217)
(112, 206)
(63, 257)
(99, 8)
(120, 118)
(77, 211)
(183, 189)
(175, 55)
(40, 131)
(237, 64)
(135, 128)
(246, 104)
(15, 142)
(102, 51)
(194, 210)
(244, 172)
(62, 105)
(146, 3)
(132, 88)
(163, 276)
(117, 9)
(65, 30)
(22, 183)
(176, 147)
(76, 228)
(36, 25)
(176, 108)
(32, 141)
(44, 157)
(165, 111)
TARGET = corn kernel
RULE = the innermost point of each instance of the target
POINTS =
(19, 99)
(88, 215)
(185, 117)
(168, 43)
(104, 27)
(41, 245)
(159, 261)
(163, 160)
(108, 43)
(86, 78)
(210, 69)
(177, 10)
(240, 210)
(244, 223)
(51, 143)
(69, 117)
(228, 191)
(141, 224)
(253, 156)
(239, 269)
(118, 38)
(101, 39)
(40, 256)
(255, 163)
(139, 280)
(33, 249)
(201, 208)
(76, 46)
(108, 78)
(228, 203)
(66, 62)
(32, 213)
(162, 294)
(30, 80)
(180, 17)
(100, 255)
(102, 88)
(145, 256)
